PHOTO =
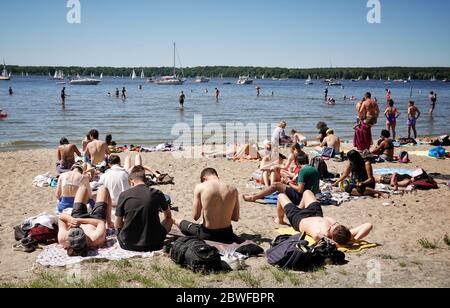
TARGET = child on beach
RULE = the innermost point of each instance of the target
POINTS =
(413, 116)
(391, 114)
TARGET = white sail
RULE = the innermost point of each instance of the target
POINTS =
(142, 74)
(368, 78)
(133, 76)
(101, 76)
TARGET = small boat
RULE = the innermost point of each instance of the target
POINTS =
(334, 83)
(275, 79)
(133, 75)
(101, 76)
(173, 80)
(5, 75)
(445, 80)
(433, 79)
(202, 79)
(309, 81)
(142, 74)
(244, 80)
(85, 82)
(59, 75)
(368, 78)
(151, 80)
(3, 114)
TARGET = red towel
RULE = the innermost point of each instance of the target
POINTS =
(363, 137)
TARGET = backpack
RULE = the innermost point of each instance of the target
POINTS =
(290, 252)
(403, 158)
(321, 166)
(326, 252)
(44, 235)
(196, 255)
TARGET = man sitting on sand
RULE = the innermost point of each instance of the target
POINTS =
(299, 138)
(218, 204)
(137, 216)
(308, 179)
(308, 218)
(116, 179)
(96, 150)
(279, 137)
(385, 147)
(332, 142)
(82, 231)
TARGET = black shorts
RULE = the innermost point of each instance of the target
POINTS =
(361, 189)
(99, 211)
(225, 236)
(293, 195)
(295, 214)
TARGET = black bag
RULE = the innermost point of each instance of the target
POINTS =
(321, 166)
(196, 255)
(326, 252)
(290, 252)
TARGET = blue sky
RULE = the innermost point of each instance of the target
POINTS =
(286, 33)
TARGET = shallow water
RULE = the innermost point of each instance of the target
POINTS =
(36, 119)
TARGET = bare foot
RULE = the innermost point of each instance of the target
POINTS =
(281, 222)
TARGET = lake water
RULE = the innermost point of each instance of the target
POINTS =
(36, 119)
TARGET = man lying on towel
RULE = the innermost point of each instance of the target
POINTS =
(218, 204)
(82, 231)
(308, 218)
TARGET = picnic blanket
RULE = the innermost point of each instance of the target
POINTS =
(356, 247)
(56, 256)
(420, 153)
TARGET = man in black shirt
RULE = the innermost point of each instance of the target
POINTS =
(138, 222)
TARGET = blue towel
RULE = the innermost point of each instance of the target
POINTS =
(392, 170)
(272, 199)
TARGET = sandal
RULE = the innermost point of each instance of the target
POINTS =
(27, 245)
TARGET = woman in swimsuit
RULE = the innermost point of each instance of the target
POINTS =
(68, 184)
(66, 156)
(391, 115)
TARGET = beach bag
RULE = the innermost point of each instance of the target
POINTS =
(196, 255)
(425, 184)
(403, 158)
(321, 166)
(290, 252)
(328, 152)
(437, 152)
(44, 235)
(326, 252)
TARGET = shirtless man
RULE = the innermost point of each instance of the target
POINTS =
(217, 94)
(82, 231)
(413, 116)
(308, 218)
(218, 204)
(66, 155)
(96, 150)
(370, 110)
(433, 101)
(385, 147)
(331, 141)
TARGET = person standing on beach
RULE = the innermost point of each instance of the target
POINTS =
(391, 115)
(124, 93)
(413, 116)
(63, 96)
(10, 91)
(433, 100)
(326, 94)
(217, 94)
(370, 110)
(182, 98)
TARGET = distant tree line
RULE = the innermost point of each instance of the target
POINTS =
(416, 73)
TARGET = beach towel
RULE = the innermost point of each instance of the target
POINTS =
(56, 256)
(392, 171)
(363, 137)
(356, 247)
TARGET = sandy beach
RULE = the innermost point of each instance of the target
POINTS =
(398, 228)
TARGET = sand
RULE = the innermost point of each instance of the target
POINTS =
(398, 228)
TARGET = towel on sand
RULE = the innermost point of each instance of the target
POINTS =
(56, 256)
(356, 247)
(392, 171)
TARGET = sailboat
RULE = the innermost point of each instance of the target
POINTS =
(142, 74)
(5, 75)
(133, 75)
(433, 79)
(368, 78)
(101, 76)
(202, 79)
(173, 80)
(308, 81)
(59, 75)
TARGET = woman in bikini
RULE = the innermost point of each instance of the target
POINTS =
(68, 185)
(66, 156)
(392, 114)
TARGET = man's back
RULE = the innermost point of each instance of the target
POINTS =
(142, 230)
(116, 180)
(219, 202)
(97, 150)
(333, 142)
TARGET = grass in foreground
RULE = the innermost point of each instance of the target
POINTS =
(427, 244)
